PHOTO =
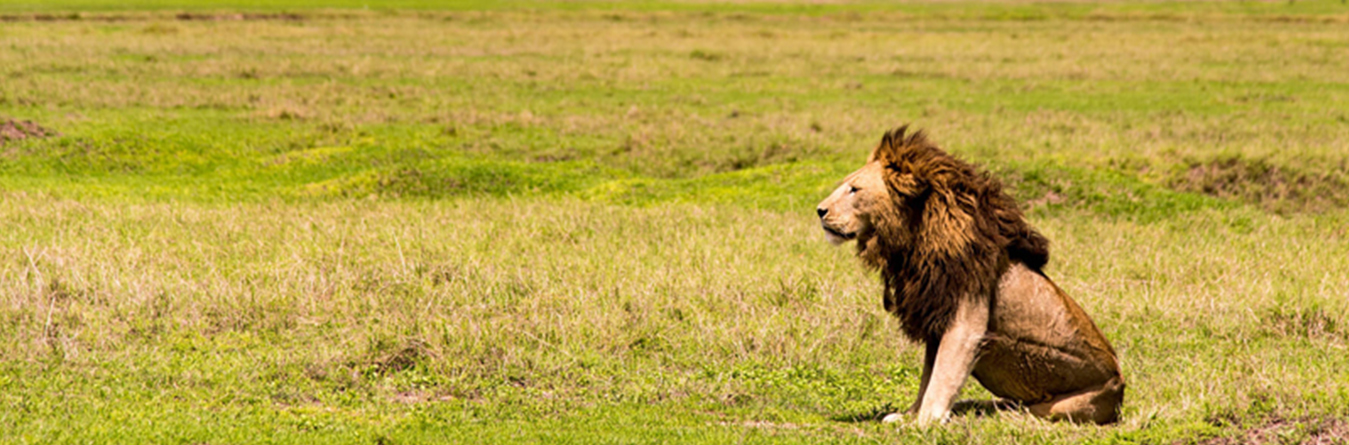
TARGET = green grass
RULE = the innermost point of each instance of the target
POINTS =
(587, 222)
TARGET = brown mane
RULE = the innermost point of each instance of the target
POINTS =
(948, 232)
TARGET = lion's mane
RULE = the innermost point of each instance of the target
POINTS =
(948, 232)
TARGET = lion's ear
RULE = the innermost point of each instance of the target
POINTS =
(903, 182)
(948, 209)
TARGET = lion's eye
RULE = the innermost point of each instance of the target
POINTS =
(852, 189)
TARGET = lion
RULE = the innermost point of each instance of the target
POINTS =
(963, 272)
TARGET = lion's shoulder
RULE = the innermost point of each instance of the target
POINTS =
(959, 232)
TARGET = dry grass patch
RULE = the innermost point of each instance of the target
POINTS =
(1281, 431)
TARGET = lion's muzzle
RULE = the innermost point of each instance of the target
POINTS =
(835, 236)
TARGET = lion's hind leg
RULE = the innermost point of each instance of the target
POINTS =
(1098, 404)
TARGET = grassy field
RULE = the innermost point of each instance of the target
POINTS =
(586, 222)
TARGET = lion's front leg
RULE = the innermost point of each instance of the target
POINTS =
(955, 356)
(929, 358)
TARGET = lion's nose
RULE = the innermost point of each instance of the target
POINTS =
(821, 211)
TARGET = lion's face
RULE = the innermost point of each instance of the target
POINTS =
(849, 212)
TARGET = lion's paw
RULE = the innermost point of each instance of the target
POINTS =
(892, 418)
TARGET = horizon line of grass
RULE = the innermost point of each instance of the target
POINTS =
(991, 10)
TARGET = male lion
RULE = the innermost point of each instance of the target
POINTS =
(962, 271)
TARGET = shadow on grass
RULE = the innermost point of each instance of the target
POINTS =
(977, 408)
(981, 408)
(872, 415)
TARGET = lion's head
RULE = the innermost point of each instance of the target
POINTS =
(936, 228)
(847, 213)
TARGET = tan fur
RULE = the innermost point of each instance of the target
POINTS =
(962, 270)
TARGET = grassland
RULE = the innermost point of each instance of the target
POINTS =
(592, 222)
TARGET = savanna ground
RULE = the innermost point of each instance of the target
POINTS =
(252, 222)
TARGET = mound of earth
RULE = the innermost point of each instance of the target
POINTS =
(1267, 184)
(12, 130)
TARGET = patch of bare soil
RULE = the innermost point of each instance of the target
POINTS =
(402, 358)
(12, 130)
(1304, 323)
(1326, 431)
(196, 16)
(37, 17)
(1273, 187)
